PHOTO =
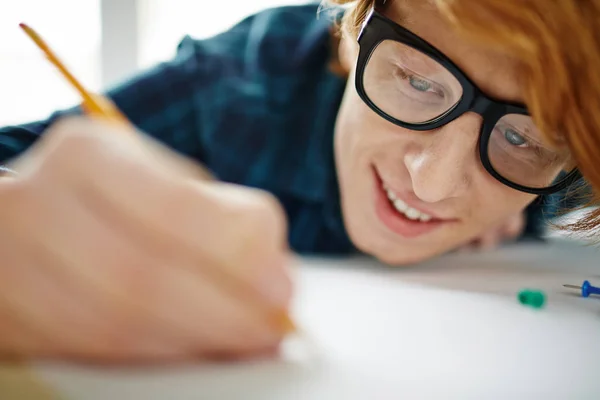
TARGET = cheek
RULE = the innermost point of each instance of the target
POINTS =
(358, 130)
(490, 201)
(351, 119)
(498, 202)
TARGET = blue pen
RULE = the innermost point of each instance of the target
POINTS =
(586, 289)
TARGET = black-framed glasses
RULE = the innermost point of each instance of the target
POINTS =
(410, 83)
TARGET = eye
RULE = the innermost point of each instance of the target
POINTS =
(419, 84)
(514, 138)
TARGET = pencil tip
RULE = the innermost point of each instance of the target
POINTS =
(285, 323)
(288, 325)
(27, 29)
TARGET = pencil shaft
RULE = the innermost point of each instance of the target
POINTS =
(53, 58)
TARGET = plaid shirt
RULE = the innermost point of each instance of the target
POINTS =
(257, 105)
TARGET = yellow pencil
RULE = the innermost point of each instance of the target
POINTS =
(93, 104)
(100, 106)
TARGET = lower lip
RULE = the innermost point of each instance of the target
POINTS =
(397, 222)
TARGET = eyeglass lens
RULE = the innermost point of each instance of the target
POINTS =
(410, 86)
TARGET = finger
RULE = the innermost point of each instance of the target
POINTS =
(45, 319)
(77, 276)
(33, 300)
(82, 323)
(153, 292)
(261, 324)
(148, 190)
(233, 215)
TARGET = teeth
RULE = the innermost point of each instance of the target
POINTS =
(409, 212)
(424, 217)
(399, 204)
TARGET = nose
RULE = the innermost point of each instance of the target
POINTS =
(442, 163)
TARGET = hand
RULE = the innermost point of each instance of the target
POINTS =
(507, 230)
(114, 250)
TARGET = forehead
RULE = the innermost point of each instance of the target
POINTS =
(493, 72)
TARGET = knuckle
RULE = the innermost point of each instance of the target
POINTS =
(68, 131)
(67, 144)
(249, 209)
(260, 235)
(254, 220)
(266, 216)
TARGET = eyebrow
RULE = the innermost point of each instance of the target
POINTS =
(399, 12)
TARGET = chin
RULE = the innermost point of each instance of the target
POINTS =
(393, 251)
(384, 250)
(407, 258)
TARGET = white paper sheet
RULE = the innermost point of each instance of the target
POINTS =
(448, 329)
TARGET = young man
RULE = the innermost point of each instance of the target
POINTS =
(424, 147)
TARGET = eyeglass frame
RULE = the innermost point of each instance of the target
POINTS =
(377, 28)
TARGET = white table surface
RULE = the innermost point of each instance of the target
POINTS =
(451, 328)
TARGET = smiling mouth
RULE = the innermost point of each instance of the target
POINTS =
(403, 208)
(399, 217)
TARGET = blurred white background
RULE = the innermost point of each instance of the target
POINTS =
(101, 41)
